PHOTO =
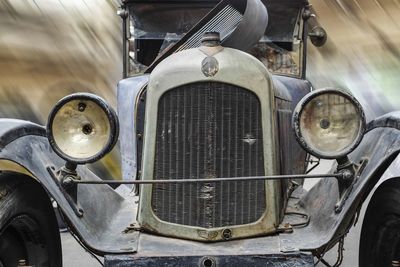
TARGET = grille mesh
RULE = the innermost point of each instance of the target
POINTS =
(209, 130)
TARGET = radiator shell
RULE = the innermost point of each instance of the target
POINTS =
(235, 68)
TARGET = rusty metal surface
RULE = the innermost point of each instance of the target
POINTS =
(380, 146)
(106, 214)
(383, 140)
(274, 260)
(325, 225)
(105, 236)
(165, 77)
(152, 245)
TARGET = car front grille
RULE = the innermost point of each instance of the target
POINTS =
(209, 130)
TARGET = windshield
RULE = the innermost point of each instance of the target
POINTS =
(154, 29)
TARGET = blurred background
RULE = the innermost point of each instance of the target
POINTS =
(51, 48)
(362, 52)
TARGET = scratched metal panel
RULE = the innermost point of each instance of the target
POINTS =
(209, 130)
(292, 156)
(278, 260)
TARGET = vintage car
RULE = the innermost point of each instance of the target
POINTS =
(216, 125)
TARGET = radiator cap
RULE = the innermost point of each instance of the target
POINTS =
(211, 39)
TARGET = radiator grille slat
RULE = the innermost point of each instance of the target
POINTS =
(209, 130)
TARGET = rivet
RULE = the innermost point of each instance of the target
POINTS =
(227, 234)
(81, 107)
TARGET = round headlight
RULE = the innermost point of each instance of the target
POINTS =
(329, 123)
(82, 128)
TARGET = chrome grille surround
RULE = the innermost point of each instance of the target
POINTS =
(240, 70)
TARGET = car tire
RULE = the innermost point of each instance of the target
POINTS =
(28, 226)
(380, 234)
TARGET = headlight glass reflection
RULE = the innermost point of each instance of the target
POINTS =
(81, 134)
(82, 128)
(331, 124)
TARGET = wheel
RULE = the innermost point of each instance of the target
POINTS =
(28, 226)
(380, 234)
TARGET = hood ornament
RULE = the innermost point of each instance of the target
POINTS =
(209, 66)
(210, 45)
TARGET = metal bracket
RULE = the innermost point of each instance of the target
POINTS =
(132, 227)
(66, 178)
(287, 247)
(285, 228)
(310, 161)
(350, 175)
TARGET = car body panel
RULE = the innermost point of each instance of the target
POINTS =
(109, 224)
(184, 68)
(107, 214)
(129, 91)
(291, 259)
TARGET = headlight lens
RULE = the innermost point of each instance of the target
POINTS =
(82, 128)
(329, 123)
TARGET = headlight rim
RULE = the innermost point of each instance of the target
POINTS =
(300, 108)
(111, 116)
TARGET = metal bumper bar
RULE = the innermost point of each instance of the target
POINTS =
(292, 260)
(211, 180)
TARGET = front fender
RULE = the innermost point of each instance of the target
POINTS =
(380, 147)
(106, 214)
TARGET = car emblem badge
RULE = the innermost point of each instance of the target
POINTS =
(209, 66)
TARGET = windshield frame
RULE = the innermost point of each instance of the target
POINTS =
(133, 48)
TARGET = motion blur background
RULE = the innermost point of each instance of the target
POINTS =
(51, 48)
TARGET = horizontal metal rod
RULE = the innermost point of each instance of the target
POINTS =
(211, 180)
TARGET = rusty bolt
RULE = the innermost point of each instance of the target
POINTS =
(347, 175)
(68, 181)
(227, 234)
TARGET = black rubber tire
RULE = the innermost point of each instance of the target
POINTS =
(380, 234)
(28, 226)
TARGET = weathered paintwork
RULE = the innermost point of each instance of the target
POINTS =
(129, 91)
(108, 224)
(274, 260)
(107, 214)
(184, 68)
